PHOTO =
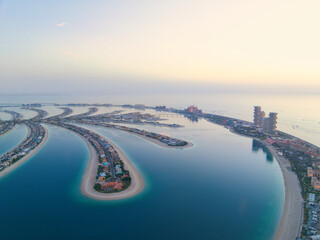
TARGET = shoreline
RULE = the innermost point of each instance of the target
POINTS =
(7, 132)
(291, 221)
(155, 141)
(24, 159)
(89, 178)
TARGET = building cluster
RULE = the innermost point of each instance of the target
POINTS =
(90, 111)
(40, 113)
(267, 124)
(312, 227)
(300, 159)
(295, 145)
(136, 106)
(6, 126)
(193, 110)
(31, 105)
(75, 105)
(66, 111)
(160, 108)
(221, 120)
(134, 117)
(111, 175)
(314, 174)
(35, 137)
(15, 115)
(172, 142)
(131, 118)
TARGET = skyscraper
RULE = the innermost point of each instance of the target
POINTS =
(258, 116)
(273, 123)
(268, 124)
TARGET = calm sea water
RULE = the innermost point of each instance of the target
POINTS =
(222, 188)
(225, 187)
(12, 138)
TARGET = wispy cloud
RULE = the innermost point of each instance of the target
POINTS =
(62, 24)
(69, 54)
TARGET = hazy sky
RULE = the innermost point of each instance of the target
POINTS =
(53, 46)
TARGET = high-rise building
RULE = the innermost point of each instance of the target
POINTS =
(273, 123)
(258, 116)
(268, 124)
(265, 124)
(193, 109)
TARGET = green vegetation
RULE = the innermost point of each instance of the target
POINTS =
(97, 187)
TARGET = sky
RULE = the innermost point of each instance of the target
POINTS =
(123, 45)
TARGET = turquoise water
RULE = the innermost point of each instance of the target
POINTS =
(12, 138)
(222, 188)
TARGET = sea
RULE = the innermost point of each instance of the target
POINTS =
(225, 187)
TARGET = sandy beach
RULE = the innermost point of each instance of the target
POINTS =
(27, 157)
(89, 178)
(292, 215)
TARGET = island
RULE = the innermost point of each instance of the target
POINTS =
(109, 174)
(36, 137)
(7, 126)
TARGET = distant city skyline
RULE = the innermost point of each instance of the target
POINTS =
(80, 46)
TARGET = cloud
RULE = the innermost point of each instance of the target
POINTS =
(68, 54)
(62, 24)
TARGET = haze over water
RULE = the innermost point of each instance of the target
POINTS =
(298, 114)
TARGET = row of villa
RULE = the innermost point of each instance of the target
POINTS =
(131, 118)
(111, 175)
(90, 111)
(172, 142)
(6, 126)
(66, 111)
(35, 137)
(40, 113)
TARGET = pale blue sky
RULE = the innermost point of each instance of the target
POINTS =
(79, 44)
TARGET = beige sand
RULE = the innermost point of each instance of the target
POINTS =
(26, 157)
(292, 215)
(89, 178)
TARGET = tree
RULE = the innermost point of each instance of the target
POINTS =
(97, 187)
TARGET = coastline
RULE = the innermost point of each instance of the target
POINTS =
(89, 178)
(8, 131)
(161, 143)
(292, 215)
(27, 157)
(290, 225)
(153, 140)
